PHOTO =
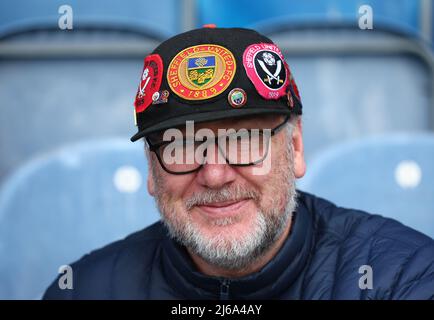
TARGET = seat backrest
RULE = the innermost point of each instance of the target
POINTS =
(159, 19)
(353, 82)
(68, 85)
(389, 175)
(64, 101)
(59, 207)
(353, 95)
(401, 14)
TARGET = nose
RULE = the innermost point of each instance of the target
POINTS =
(216, 174)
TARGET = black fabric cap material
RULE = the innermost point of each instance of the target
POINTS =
(177, 110)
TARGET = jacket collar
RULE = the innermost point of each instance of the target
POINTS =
(276, 276)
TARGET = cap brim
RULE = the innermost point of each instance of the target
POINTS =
(207, 116)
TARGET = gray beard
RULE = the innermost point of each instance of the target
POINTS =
(237, 254)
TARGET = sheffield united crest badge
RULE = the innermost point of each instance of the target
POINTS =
(150, 82)
(266, 68)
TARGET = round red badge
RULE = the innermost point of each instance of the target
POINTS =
(150, 81)
(266, 68)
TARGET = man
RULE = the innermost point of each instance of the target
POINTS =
(220, 113)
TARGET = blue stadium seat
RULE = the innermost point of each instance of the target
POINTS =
(62, 205)
(48, 103)
(156, 19)
(353, 82)
(395, 14)
(66, 86)
(390, 175)
(349, 94)
(430, 17)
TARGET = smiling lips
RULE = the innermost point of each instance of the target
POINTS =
(224, 208)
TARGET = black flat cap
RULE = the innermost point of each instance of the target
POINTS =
(211, 74)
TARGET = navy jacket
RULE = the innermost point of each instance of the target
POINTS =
(319, 260)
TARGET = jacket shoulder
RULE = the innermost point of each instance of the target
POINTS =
(401, 258)
(97, 273)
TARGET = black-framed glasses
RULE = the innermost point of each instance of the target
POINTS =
(244, 147)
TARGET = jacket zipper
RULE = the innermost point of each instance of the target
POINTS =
(224, 289)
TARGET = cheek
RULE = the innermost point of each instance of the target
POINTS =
(172, 188)
(273, 165)
(274, 184)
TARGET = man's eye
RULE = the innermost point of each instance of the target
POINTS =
(239, 136)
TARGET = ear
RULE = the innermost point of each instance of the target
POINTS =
(150, 181)
(297, 144)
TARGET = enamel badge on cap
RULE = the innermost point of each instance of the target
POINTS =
(150, 81)
(237, 98)
(266, 68)
(201, 72)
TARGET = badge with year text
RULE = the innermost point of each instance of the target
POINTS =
(201, 72)
(266, 68)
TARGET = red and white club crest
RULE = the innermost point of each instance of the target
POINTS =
(150, 81)
(266, 68)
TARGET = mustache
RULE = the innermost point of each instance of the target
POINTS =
(232, 193)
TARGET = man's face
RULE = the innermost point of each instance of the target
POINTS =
(226, 214)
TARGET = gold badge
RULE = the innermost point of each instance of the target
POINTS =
(201, 72)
